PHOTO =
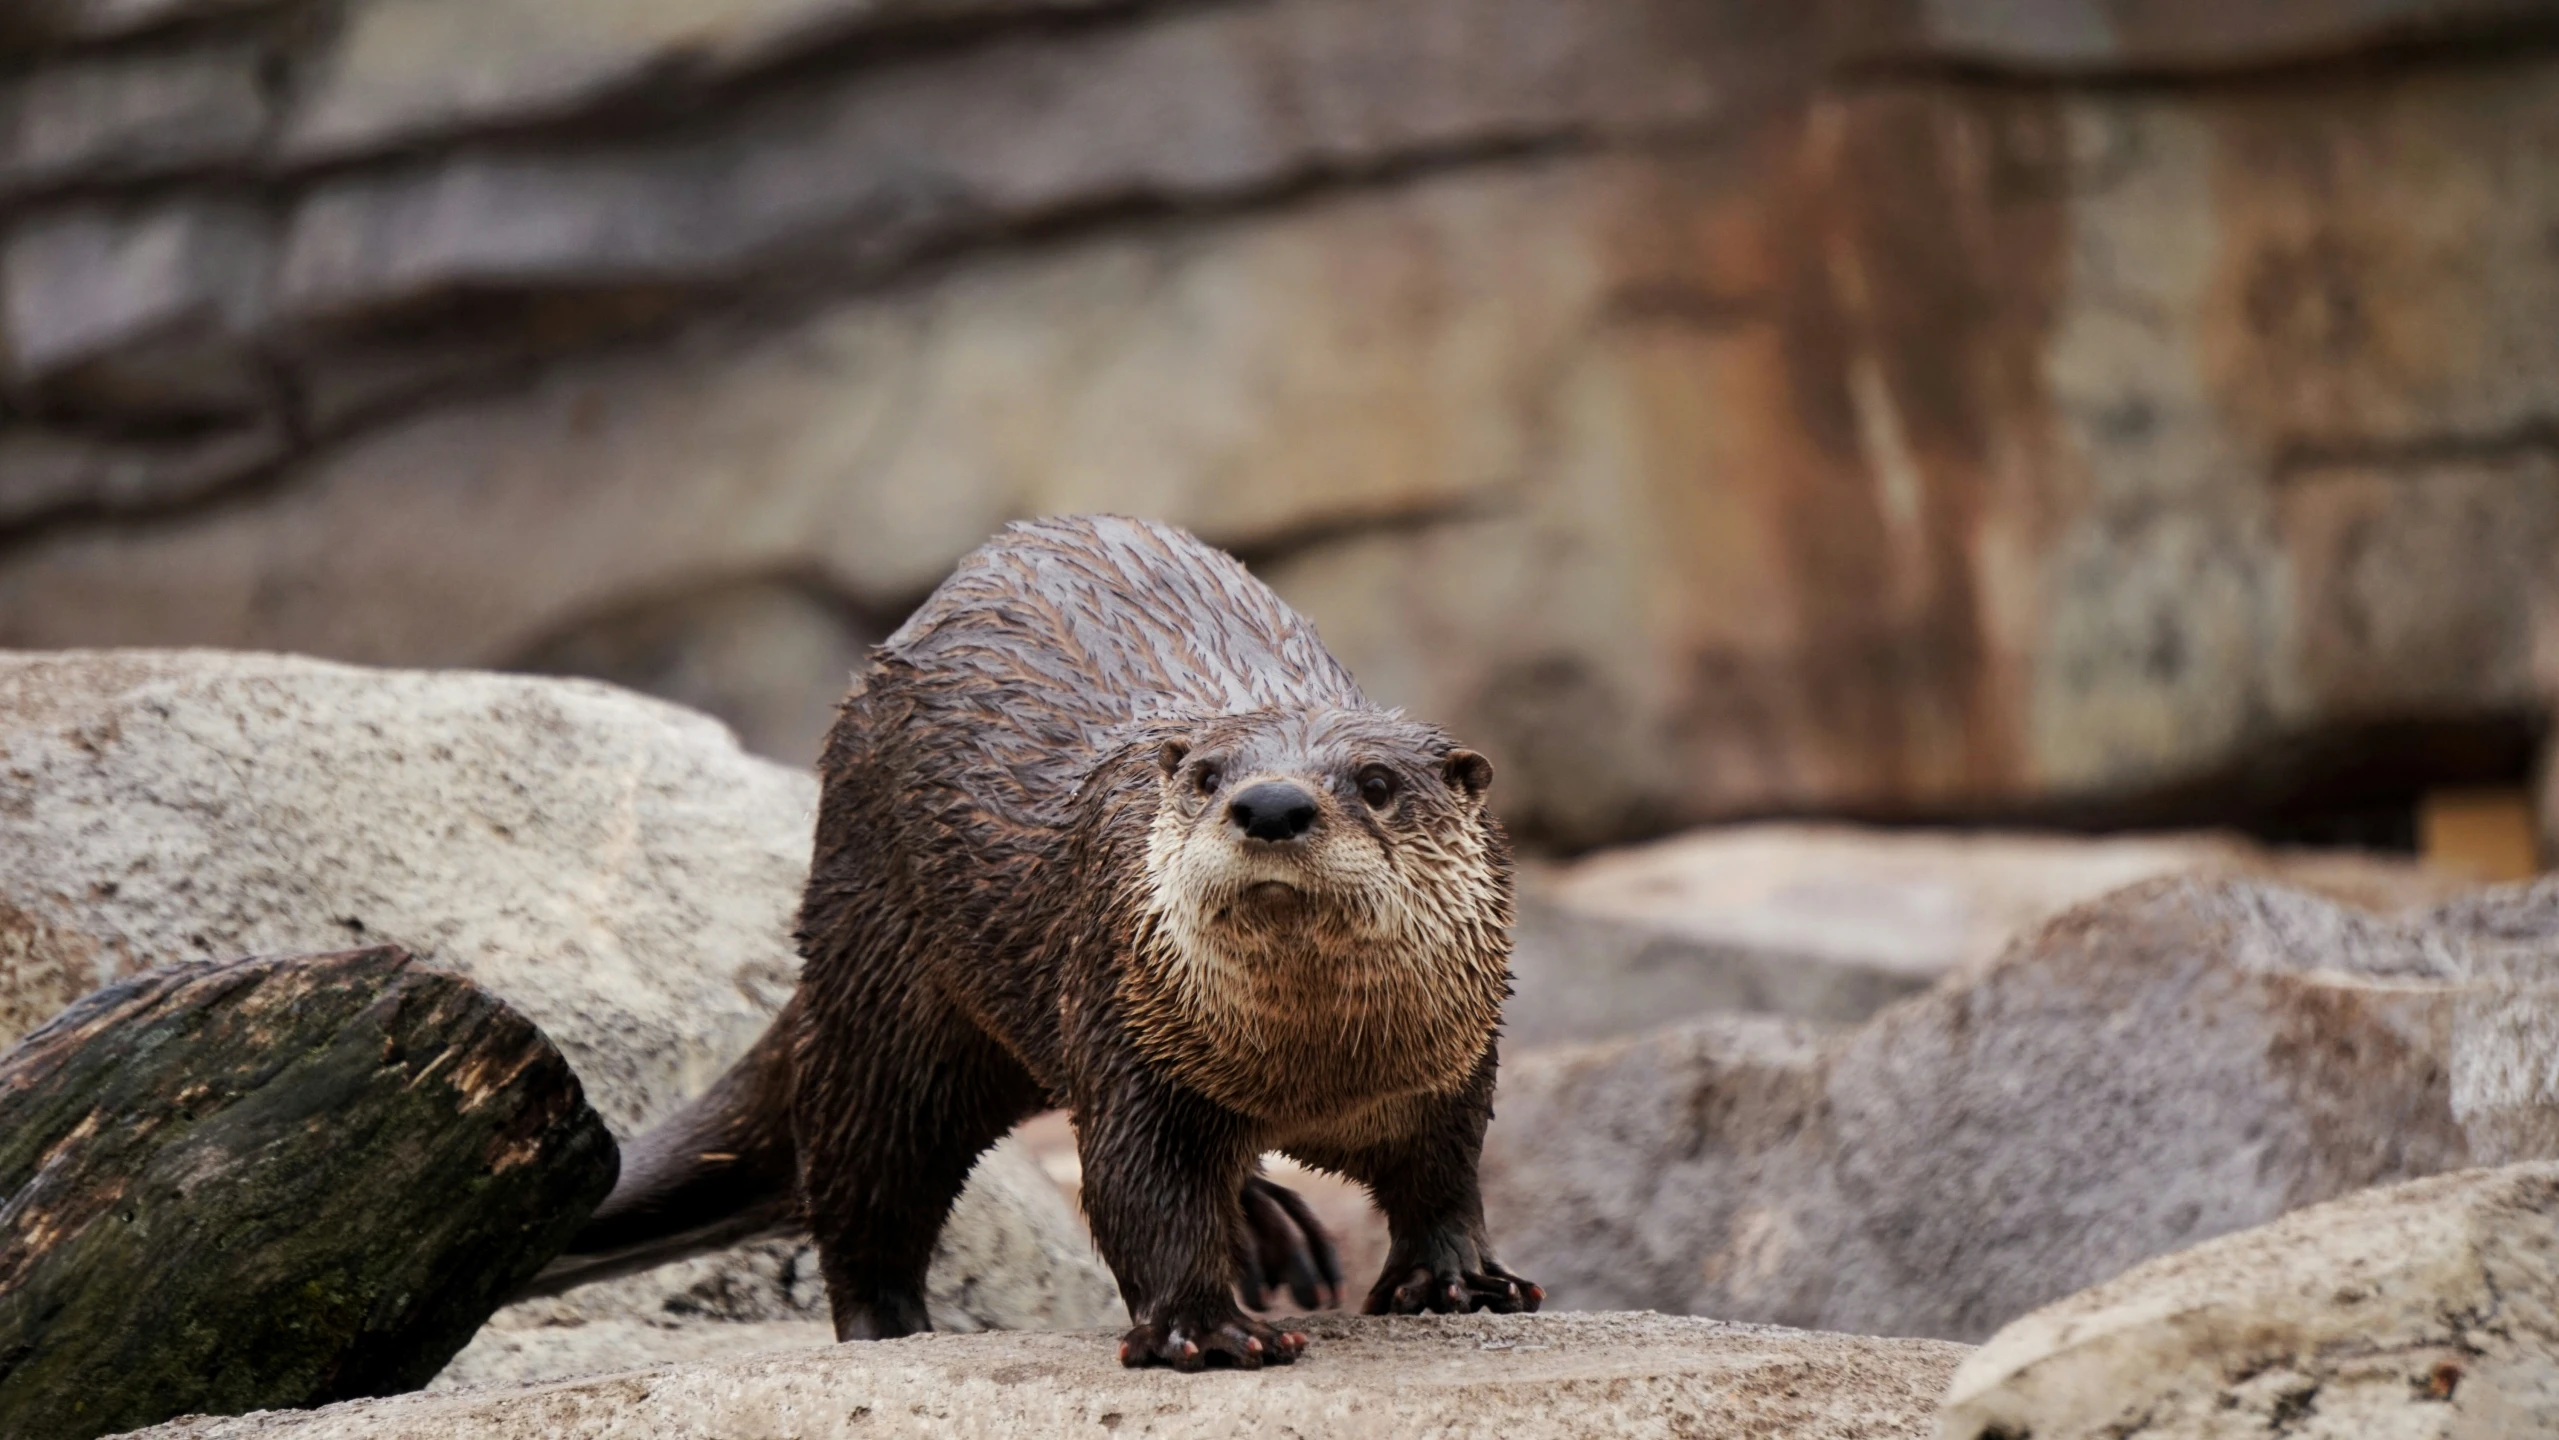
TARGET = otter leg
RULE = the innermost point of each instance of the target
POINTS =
(1163, 1173)
(1438, 1255)
(1282, 1244)
(890, 1116)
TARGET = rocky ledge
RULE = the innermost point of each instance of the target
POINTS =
(1521, 1376)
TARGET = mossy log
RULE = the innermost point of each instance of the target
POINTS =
(273, 1183)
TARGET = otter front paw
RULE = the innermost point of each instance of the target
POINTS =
(1449, 1290)
(1285, 1245)
(1197, 1342)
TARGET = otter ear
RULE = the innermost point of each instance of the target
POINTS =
(1170, 756)
(1468, 771)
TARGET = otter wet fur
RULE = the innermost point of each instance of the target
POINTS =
(1105, 826)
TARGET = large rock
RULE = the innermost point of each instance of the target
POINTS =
(613, 867)
(273, 1183)
(1533, 1377)
(2174, 1062)
(2420, 1312)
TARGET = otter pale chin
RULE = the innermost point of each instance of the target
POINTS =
(1268, 902)
(1104, 826)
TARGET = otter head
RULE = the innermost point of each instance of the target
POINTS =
(1325, 895)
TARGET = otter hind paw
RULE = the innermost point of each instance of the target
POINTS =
(1454, 1292)
(1284, 1246)
(1198, 1343)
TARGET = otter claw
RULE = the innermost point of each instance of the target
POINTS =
(1457, 1292)
(1192, 1346)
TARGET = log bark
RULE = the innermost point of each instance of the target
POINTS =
(273, 1183)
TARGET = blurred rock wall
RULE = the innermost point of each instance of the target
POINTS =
(1708, 406)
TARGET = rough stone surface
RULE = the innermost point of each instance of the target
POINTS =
(1574, 365)
(2176, 1061)
(1531, 1377)
(611, 866)
(274, 1182)
(512, 1351)
(2419, 1312)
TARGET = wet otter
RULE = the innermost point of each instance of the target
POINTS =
(1105, 826)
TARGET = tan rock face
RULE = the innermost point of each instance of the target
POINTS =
(1709, 410)
(611, 866)
(2178, 1061)
(1532, 1377)
(1998, 454)
(2422, 1310)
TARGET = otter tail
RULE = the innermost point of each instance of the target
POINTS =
(718, 1171)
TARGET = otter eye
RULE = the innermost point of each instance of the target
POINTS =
(1377, 786)
(1208, 779)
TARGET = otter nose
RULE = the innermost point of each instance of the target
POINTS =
(1273, 810)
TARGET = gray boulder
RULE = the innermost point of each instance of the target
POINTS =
(2178, 1061)
(613, 867)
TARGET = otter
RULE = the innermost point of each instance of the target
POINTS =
(1105, 826)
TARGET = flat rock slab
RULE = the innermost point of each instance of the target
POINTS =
(273, 1182)
(1523, 1377)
